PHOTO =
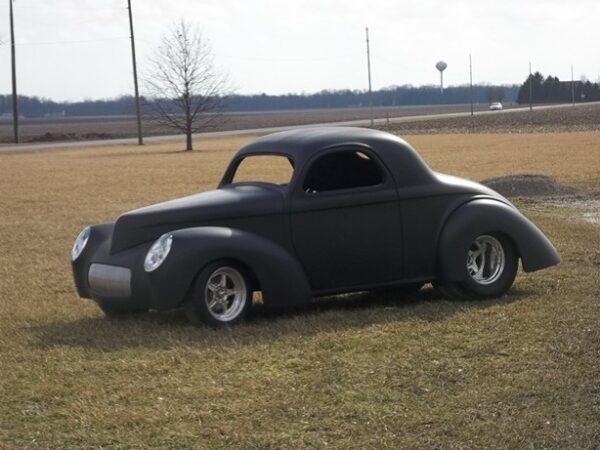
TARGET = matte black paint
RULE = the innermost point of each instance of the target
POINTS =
(415, 226)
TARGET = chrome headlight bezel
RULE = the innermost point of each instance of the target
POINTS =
(158, 252)
(80, 243)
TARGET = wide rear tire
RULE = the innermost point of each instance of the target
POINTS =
(491, 265)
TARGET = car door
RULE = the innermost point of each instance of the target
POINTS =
(345, 221)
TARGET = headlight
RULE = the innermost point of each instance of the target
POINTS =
(80, 243)
(158, 252)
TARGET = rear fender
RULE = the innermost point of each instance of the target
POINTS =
(483, 216)
(281, 278)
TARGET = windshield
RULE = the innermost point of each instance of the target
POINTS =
(273, 169)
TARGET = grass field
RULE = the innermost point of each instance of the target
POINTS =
(363, 371)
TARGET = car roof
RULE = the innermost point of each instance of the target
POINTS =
(300, 144)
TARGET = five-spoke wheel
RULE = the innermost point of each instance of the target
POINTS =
(485, 259)
(491, 264)
(221, 295)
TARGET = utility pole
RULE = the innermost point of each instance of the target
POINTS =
(471, 82)
(530, 89)
(369, 70)
(572, 87)
(135, 78)
(15, 99)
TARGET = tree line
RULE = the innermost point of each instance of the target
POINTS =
(552, 90)
(388, 97)
(36, 107)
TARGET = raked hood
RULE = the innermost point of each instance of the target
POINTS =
(232, 202)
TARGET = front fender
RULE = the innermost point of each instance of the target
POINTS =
(488, 216)
(279, 274)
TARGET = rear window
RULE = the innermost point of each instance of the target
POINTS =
(274, 169)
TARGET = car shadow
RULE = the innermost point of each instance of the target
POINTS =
(170, 329)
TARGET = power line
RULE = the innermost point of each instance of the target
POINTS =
(73, 22)
(271, 59)
(37, 6)
(82, 41)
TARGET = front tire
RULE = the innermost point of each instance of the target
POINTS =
(221, 296)
(491, 265)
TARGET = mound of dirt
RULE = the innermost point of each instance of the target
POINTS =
(529, 186)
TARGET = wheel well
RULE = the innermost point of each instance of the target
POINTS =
(509, 239)
(252, 278)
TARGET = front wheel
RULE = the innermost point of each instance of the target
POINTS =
(491, 267)
(221, 296)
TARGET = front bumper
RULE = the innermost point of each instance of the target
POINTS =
(110, 281)
(119, 280)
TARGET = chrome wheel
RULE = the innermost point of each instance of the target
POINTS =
(485, 260)
(225, 294)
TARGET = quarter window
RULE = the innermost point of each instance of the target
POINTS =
(346, 169)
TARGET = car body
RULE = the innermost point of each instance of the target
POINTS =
(361, 210)
(496, 106)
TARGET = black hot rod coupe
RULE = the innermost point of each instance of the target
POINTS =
(305, 213)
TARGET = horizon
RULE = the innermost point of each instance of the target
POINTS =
(235, 94)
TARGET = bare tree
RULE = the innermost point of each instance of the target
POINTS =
(185, 90)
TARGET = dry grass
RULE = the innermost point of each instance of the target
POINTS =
(363, 372)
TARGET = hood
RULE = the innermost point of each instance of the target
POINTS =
(231, 202)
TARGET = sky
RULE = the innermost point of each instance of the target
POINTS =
(80, 49)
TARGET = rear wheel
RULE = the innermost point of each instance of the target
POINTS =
(491, 267)
(221, 295)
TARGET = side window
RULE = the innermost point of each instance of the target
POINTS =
(274, 169)
(344, 169)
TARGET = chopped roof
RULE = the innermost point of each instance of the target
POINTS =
(302, 143)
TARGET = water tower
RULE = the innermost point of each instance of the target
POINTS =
(441, 66)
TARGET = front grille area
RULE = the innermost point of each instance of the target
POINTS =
(110, 281)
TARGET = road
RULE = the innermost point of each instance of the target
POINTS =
(254, 131)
